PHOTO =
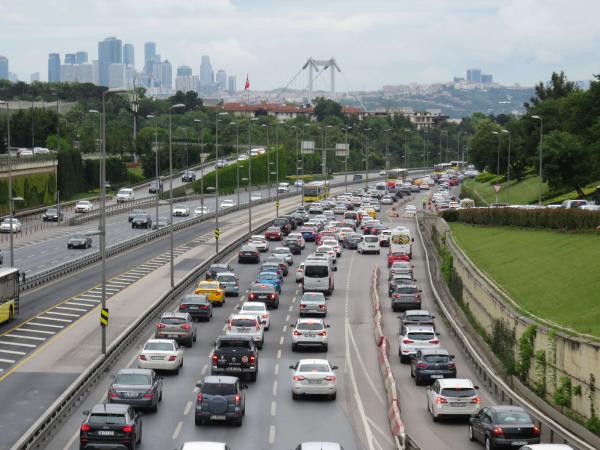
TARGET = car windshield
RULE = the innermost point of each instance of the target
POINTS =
(268, 276)
(512, 417)
(273, 229)
(107, 419)
(309, 326)
(172, 320)
(208, 286)
(180, 206)
(219, 389)
(78, 236)
(280, 222)
(243, 323)
(226, 278)
(371, 239)
(316, 271)
(281, 251)
(136, 379)
(313, 367)
(459, 392)
(418, 318)
(420, 335)
(159, 346)
(436, 359)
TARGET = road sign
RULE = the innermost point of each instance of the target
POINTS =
(276, 203)
(217, 233)
(342, 149)
(497, 187)
(308, 147)
(104, 317)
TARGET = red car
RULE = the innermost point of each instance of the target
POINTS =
(323, 234)
(393, 257)
(273, 234)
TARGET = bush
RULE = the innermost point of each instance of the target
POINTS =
(450, 215)
(36, 189)
(484, 177)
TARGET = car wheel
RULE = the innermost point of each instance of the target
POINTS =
(154, 408)
(253, 376)
(198, 421)
(412, 372)
(176, 371)
(471, 436)
(325, 347)
(260, 346)
(489, 445)
(139, 438)
(333, 396)
(69, 246)
(294, 347)
(190, 342)
(378, 252)
(404, 359)
(194, 337)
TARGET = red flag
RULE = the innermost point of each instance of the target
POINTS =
(247, 85)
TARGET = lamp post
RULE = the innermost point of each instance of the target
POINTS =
(346, 161)
(498, 161)
(324, 152)
(150, 116)
(302, 153)
(406, 132)
(201, 144)
(250, 174)
(367, 157)
(508, 169)
(172, 256)
(277, 165)
(217, 177)
(441, 151)
(425, 136)
(541, 119)
(387, 153)
(2, 102)
(237, 161)
(266, 127)
(293, 127)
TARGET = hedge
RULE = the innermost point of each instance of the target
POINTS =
(562, 219)
(36, 189)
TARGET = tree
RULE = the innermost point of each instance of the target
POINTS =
(327, 108)
(558, 87)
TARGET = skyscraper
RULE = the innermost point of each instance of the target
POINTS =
(221, 79)
(128, 55)
(184, 71)
(68, 73)
(149, 51)
(95, 71)
(487, 78)
(166, 75)
(110, 51)
(85, 73)
(53, 68)
(3, 68)
(70, 58)
(474, 75)
(206, 72)
(231, 84)
(116, 75)
(81, 57)
(35, 76)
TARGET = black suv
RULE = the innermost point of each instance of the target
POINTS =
(188, 176)
(283, 224)
(221, 398)
(141, 221)
(135, 212)
(110, 425)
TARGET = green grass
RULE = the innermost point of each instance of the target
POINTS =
(137, 171)
(521, 192)
(550, 274)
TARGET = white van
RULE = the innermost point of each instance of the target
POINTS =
(125, 195)
(318, 276)
(283, 187)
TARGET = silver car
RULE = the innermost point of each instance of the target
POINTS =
(285, 253)
(229, 283)
(313, 303)
(309, 333)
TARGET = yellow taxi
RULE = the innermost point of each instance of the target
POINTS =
(213, 291)
(371, 212)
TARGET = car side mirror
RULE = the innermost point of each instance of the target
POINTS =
(244, 386)
(112, 377)
(198, 384)
(334, 367)
(292, 367)
(328, 326)
(335, 269)
(475, 387)
(215, 343)
(413, 240)
(420, 290)
(86, 413)
(140, 414)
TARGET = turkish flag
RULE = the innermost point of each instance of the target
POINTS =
(247, 85)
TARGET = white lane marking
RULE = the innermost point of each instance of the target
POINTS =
(79, 304)
(92, 296)
(89, 300)
(204, 369)
(187, 408)
(284, 329)
(13, 352)
(62, 314)
(281, 340)
(271, 434)
(18, 344)
(383, 433)
(44, 325)
(275, 387)
(364, 368)
(224, 327)
(177, 430)
(66, 308)
(54, 319)
(273, 408)
(20, 336)
(36, 331)
(287, 318)
(290, 308)
(294, 299)
(9, 361)
(297, 290)
(279, 354)
(276, 370)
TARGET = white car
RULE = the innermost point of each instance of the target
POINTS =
(327, 250)
(329, 215)
(452, 397)
(387, 200)
(300, 273)
(243, 157)
(246, 325)
(410, 210)
(181, 211)
(299, 183)
(335, 244)
(314, 377)
(310, 333)
(283, 188)
(384, 238)
(204, 445)
(424, 186)
(298, 238)
(315, 208)
(260, 242)
(161, 354)
(227, 203)
(369, 244)
(200, 211)
(5, 227)
(382, 173)
(285, 253)
(258, 308)
(125, 195)
(83, 206)
(416, 337)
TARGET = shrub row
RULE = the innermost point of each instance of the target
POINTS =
(563, 219)
(36, 189)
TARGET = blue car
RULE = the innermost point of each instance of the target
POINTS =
(270, 278)
(309, 233)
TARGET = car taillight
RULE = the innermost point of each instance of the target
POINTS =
(252, 359)
(302, 306)
(127, 429)
(440, 400)
(451, 366)
(85, 427)
(203, 306)
(408, 341)
(265, 316)
(271, 296)
(252, 296)
(434, 341)
(476, 400)
(215, 359)
(298, 377)
(396, 296)
(536, 430)
(160, 325)
(330, 378)
(297, 333)
(498, 431)
(422, 365)
(172, 358)
(237, 399)
(321, 306)
(185, 326)
(199, 398)
(112, 393)
(149, 394)
(143, 357)
(182, 306)
(323, 333)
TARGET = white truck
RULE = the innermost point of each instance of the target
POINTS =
(401, 242)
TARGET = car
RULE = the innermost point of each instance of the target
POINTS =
(161, 354)
(283, 188)
(135, 212)
(213, 291)
(256, 196)
(197, 306)
(79, 240)
(452, 397)
(417, 317)
(351, 240)
(327, 250)
(178, 326)
(387, 200)
(315, 208)
(246, 325)
(410, 210)
(53, 214)
(333, 243)
(314, 377)
(295, 245)
(400, 267)
(215, 269)
(405, 296)
(283, 224)
(399, 279)
(125, 195)
(235, 355)
(260, 242)
(259, 309)
(340, 208)
(188, 176)
(300, 273)
(140, 388)
(156, 187)
(141, 221)
(309, 333)
(243, 157)
(344, 230)
(280, 260)
(300, 218)
(220, 398)
(285, 253)
(397, 256)
(6, 227)
(272, 267)
(274, 234)
(369, 244)
(221, 163)
(162, 222)
(108, 425)
(83, 206)
(200, 211)
(309, 233)
(292, 220)
(357, 177)
(181, 211)
(547, 447)
(505, 426)
(227, 203)
(384, 237)
(313, 303)
(432, 364)
(299, 183)
(229, 283)
(262, 292)
(248, 253)
(324, 234)
(271, 278)
(415, 337)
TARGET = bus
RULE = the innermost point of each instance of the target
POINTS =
(397, 176)
(315, 191)
(9, 294)
(441, 169)
(458, 165)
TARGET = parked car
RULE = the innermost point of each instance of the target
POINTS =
(83, 206)
(220, 399)
(431, 364)
(79, 240)
(197, 306)
(503, 426)
(125, 195)
(53, 214)
(108, 425)
(140, 388)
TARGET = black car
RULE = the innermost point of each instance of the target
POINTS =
(357, 177)
(213, 270)
(79, 241)
(222, 399)
(155, 187)
(292, 220)
(400, 279)
(283, 224)
(141, 221)
(430, 364)
(503, 426)
(351, 240)
(109, 425)
(188, 176)
(294, 246)
(140, 388)
(197, 305)
(135, 212)
(299, 218)
(53, 214)
(248, 253)
(266, 293)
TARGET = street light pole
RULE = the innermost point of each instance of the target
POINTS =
(200, 143)
(268, 163)
(10, 204)
(237, 162)
(425, 136)
(406, 131)
(150, 116)
(387, 154)
(217, 177)
(541, 119)
(277, 165)
(171, 238)
(498, 162)
(367, 157)
(508, 169)
(346, 161)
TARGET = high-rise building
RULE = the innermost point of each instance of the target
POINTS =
(70, 58)
(53, 68)
(110, 51)
(130, 76)
(231, 84)
(185, 83)
(81, 57)
(184, 71)
(35, 76)
(207, 76)
(95, 71)
(474, 75)
(149, 51)
(116, 75)
(487, 78)
(3, 68)
(221, 79)
(68, 73)
(85, 73)
(13, 77)
(166, 75)
(128, 55)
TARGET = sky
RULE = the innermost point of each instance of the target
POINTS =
(375, 42)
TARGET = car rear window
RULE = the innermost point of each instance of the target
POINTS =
(371, 239)
(309, 326)
(313, 368)
(243, 323)
(252, 308)
(268, 276)
(172, 320)
(265, 288)
(436, 359)
(280, 222)
(159, 346)
(420, 335)
(107, 419)
(219, 389)
(418, 318)
(313, 296)
(513, 417)
(316, 271)
(227, 278)
(406, 290)
(234, 343)
(458, 392)
(138, 379)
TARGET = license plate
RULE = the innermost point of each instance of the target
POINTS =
(314, 381)
(458, 404)
(437, 376)
(130, 394)
(193, 307)
(262, 296)
(518, 443)
(310, 335)
(218, 418)
(235, 369)
(106, 433)
(156, 357)
(242, 330)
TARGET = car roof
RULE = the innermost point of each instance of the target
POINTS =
(113, 408)
(225, 266)
(203, 445)
(181, 315)
(501, 408)
(415, 312)
(313, 361)
(310, 320)
(169, 341)
(254, 304)
(420, 328)
(220, 274)
(434, 351)
(219, 379)
(456, 382)
(242, 316)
